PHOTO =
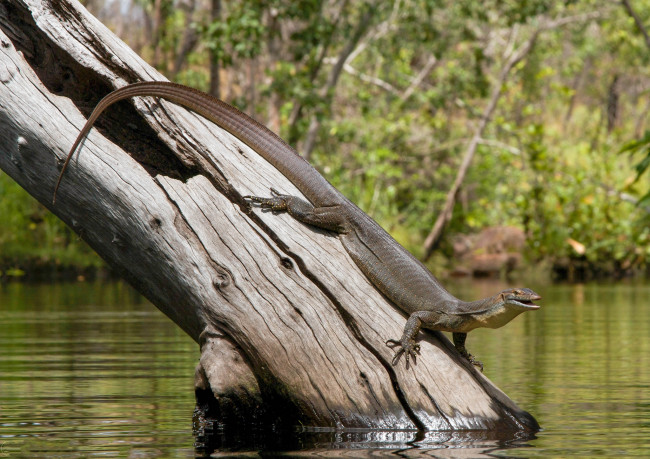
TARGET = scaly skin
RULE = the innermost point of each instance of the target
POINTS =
(388, 265)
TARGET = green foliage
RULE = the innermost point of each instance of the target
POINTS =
(31, 237)
(239, 36)
(396, 123)
(640, 147)
(548, 170)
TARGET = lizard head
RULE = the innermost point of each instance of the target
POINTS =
(521, 297)
(496, 311)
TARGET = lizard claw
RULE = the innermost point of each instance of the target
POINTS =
(407, 347)
(475, 362)
(277, 202)
(470, 358)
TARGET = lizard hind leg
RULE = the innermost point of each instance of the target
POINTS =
(277, 202)
(331, 218)
(459, 343)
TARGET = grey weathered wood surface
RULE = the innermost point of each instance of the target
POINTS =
(281, 311)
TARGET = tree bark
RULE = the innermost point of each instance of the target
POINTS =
(290, 330)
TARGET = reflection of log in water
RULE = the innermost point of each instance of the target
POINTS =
(358, 444)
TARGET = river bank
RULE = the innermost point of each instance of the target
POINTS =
(495, 267)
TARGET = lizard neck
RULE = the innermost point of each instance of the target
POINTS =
(480, 305)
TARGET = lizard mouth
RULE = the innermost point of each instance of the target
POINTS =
(528, 303)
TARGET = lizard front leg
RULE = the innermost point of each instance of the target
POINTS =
(434, 320)
(406, 345)
(330, 218)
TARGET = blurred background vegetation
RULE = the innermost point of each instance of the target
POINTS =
(530, 114)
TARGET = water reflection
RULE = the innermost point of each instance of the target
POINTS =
(361, 443)
(93, 369)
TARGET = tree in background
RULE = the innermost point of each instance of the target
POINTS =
(416, 106)
(641, 146)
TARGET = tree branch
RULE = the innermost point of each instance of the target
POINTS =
(637, 21)
(335, 73)
(431, 63)
(513, 57)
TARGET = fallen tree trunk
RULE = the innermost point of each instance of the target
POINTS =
(290, 330)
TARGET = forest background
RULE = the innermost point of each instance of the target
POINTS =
(437, 117)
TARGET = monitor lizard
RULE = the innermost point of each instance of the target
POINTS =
(390, 267)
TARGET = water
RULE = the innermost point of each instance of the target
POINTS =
(94, 370)
(582, 367)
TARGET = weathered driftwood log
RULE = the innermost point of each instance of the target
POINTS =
(284, 317)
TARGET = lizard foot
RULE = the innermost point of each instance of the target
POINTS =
(406, 347)
(277, 202)
(478, 364)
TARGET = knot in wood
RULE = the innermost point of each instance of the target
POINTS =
(21, 143)
(223, 279)
(286, 263)
(118, 240)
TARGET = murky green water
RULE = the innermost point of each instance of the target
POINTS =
(93, 370)
(581, 366)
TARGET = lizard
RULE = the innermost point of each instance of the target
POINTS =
(392, 269)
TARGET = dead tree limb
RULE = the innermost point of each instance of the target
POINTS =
(431, 242)
(513, 58)
(290, 330)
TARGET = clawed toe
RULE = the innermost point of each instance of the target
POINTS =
(277, 201)
(392, 343)
(407, 348)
